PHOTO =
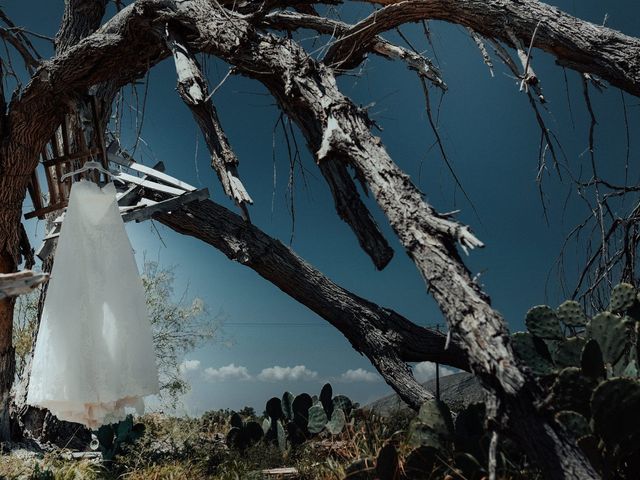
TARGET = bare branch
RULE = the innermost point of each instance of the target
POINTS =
(577, 44)
(193, 89)
(292, 21)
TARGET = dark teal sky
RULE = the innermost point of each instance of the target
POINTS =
(492, 139)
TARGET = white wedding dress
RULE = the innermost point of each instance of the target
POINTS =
(94, 353)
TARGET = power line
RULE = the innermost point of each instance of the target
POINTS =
(272, 324)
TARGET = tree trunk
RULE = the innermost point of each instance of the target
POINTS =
(338, 133)
(12, 192)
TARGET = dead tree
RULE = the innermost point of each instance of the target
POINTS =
(338, 133)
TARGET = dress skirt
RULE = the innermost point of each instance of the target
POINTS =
(94, 352)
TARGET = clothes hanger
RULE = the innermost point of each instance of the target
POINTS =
(91, 165)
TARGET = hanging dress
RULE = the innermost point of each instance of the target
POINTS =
(94, 353)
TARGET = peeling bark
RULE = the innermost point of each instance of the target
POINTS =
(194, 91)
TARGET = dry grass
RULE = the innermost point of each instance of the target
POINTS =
(175, 448)
(50, 467)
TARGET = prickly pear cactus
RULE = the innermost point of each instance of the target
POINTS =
(568, 353)
(281, 437)
(571, 390)
(543, 322)
(433, 426)
(243, 435)
(301, 405)
(615, 407)
(266, 425)
(274, 409)
(592, 363)
(571, 313)
(236, 420)
(326, 396)
(337, 422)
(437, 415)
(111, 438)
(610, 332)
(387, 463)
(577, 425)
(287, 405)
(344, 403)
(623, 297)
(631, 370)
(533, 352)
(317, 419)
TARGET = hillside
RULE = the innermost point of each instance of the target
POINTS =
(457, 390)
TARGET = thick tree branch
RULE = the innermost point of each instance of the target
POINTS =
(334, 127)
(577, 44)
(193, 89)
(80, 19)
(354, 212)
(291, 21)
(385, 337)
(336, 130)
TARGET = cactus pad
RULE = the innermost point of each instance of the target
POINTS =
(287, 405)
(623, 296)
(543, 322)
(387, 465)
(631, 370)
(533, 352)
(569, 352)
(571, 313)
(574, 423)
(591, 362)
(326, 395)
(301, 405)
(274, 409)
(281, 436)
(436, 415)
(571, 390)
(614, 406)
(337, 422)
(611, 334)
(317, 419)
(422, 435)
(344, 403)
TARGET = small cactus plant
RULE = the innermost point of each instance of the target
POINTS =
(111, 438)
(243, 435)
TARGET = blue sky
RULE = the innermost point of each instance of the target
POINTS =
(492, 139)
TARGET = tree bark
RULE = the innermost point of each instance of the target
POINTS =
(388, 339)
(336, 131)
(577, 44)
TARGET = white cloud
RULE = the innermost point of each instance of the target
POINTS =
(359, 375)
(228, 372)
(424, 371)
(189, 366)
(276, 374)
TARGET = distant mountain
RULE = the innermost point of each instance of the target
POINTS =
(457, 390)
